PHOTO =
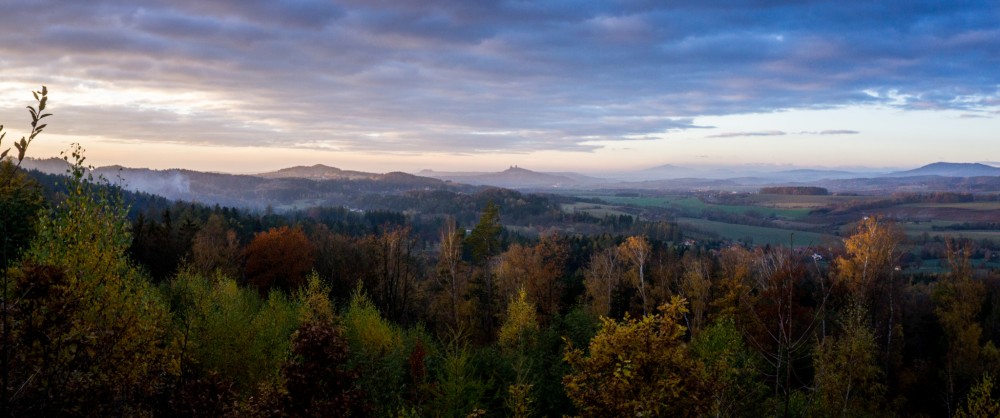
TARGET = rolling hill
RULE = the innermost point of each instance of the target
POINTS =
(318, 172)
(950, 170)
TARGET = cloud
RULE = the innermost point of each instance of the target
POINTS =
(782, 133)
(743, 134)
(407, 77)
(831, 132)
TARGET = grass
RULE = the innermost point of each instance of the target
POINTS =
(760, 235)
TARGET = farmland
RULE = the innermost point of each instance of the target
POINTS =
(754, 235)
(813, 219)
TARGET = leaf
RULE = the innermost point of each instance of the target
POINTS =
(4, 154)
(45, 91)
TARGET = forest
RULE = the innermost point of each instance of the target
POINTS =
(123, 304)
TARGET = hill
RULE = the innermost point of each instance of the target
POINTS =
(512, 178)
(317, 172)
(950, 170)
(284, 189)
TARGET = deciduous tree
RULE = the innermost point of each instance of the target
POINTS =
(848, 379)
(279, 258)
(601, 278)
(638, 368)
(636, 251)
(959, 299)
(215, 248)
(867, 272)
(92, 333)
(452, 277)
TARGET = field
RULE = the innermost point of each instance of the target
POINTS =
(771, 218)
(693, 205)
(809, 202)
(975, 206)
(756, 235)
(919, 228)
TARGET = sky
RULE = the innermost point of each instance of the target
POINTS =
(248, 86)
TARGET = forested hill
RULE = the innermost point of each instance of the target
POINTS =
(422, 207)
(281, 191)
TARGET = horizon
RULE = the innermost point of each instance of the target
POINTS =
(710, 171)
(592, 87)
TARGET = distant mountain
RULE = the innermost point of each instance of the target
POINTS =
(666, 171)
(805, 174)
(950, 170)
(318, 172)
(582, 178)
(916, 184)
(511, 178)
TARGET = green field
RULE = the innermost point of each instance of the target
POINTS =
(694, 206)
(915, 229)
(790, 213)
(759, 235)
(808, 201)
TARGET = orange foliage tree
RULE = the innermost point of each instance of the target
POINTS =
(279, 258)
(536, 270)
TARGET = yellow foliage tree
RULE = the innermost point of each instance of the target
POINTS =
(872, 252)
(638, 368)
(636, 250)
(867, 272)
(520, 325)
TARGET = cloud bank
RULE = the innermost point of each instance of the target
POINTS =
(468, 77)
